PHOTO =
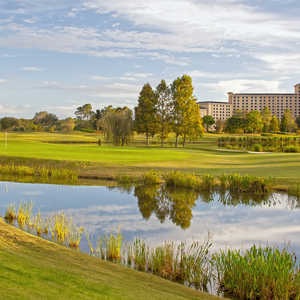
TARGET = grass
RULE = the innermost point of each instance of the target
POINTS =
(108, 162)
(33, 268)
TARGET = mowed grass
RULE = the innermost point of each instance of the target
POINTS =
(203, 158)
(32, 268)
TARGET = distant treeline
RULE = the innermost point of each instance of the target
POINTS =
(159, 112)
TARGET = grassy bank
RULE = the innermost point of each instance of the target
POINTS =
(32, 268)
(108, 162)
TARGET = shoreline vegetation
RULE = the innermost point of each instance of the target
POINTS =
(93, 164)
(32, 267)
(264, 272)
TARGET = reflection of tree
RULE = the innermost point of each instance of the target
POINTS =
(146, 196)
(176, 204)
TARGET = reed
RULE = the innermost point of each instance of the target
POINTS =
(109, 247)
(259, 273)
(37, 171)
(24, 213)
(10, 213)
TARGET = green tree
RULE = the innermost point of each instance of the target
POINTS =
(67, 125)
(117, 124)
(287, 123)
(298, 121)
(45, 119)
(9, 123)
(220, 125)
(163, 110)
(254, 122)
(184, 119)
(145, 112)
(84, 112)
(266, 118)
(235, 124)
(208, 121)
(274, 124)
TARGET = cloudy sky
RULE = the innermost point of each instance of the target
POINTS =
(58, 54)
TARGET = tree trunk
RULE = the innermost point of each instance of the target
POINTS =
(162, 138)
(184, 139)
(147, 138)
(176, 143)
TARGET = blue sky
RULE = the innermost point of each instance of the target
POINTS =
(56, 55)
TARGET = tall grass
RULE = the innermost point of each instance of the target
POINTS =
(235, 183)
(37, 171)
(58, 228)
(261, 273)
(151, 178)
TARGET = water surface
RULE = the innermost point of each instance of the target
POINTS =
(159, 214)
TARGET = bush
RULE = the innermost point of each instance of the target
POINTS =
(228, 147)
(266, 134)
(291, 149)
(258, 148)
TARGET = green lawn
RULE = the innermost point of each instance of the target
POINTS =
(111, 161)
(32, 268)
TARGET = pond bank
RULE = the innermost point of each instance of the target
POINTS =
(32, 268)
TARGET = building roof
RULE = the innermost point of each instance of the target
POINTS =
(262, 94)
(212, 102)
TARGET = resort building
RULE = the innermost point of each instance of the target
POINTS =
(218, 110)
(277, 104)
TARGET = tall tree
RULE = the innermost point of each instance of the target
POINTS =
(84, 112)
(163, 110)
(254, 122)
(208, 121)
(298, 122)
(287, 123)
(145, 112)
(45, 119)
(183, 108)
(266, 118)
(117, 124)
(236, 124)
(274, 124)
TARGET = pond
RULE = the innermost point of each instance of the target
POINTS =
(158, 214)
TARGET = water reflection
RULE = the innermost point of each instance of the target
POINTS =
(157, 213)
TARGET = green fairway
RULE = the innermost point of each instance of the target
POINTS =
(108, 160)
(32, 268)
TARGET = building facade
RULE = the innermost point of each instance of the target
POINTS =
(218, 110)
(277, 104)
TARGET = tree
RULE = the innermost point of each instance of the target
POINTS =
(220, 125)
(163, 110)
(287, 123)
(274, 124)
(186, 118)
(84, 112)
(117, 125)
(266, 118)
(145, 112)
(208, 121)
(8, 123)
(254, 122)
(45, 119)
(67, 125)
(298, 121)
(235, 124)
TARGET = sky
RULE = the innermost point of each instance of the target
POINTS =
(56, 55)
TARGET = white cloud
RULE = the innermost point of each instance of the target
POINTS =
(32, 69)
(30, 21)
(3, 80)
(245, 85)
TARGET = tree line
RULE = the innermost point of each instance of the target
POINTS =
(254, 122)
(159, 112)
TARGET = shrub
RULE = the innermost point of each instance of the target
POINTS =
(258, 148)
(228, 147)
(291, 149)
(151, 178)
